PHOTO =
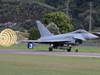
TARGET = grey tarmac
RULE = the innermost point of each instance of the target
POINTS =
(47, 53)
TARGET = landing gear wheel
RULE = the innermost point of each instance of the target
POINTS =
(76, 50)
(50, 49)
(69, 50)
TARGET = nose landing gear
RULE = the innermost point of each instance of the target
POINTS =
(69, 48)
(51, 48)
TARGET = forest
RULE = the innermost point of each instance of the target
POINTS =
(81, 12)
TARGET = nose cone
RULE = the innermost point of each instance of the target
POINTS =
(91, 36)
(94, 36)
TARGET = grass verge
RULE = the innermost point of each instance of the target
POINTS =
(48, 65)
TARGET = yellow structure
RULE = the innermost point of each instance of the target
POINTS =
(8, 37)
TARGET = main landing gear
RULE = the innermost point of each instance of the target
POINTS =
(51, 48)
(69, 48)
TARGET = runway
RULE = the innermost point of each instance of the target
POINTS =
(55, 53)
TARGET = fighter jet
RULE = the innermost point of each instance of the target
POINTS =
(61, 40)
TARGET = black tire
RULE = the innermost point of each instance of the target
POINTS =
(69, 49)
(50, 49)
(76, 50)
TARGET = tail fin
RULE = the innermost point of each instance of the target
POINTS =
(43, 30)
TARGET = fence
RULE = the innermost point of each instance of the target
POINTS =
(95, 43)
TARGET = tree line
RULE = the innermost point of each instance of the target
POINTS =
(76, 11)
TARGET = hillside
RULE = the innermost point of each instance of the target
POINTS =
(19, 12)
(79, 11)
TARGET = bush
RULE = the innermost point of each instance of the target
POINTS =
(33, 34)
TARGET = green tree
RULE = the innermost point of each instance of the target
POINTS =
(60, 19)
(33, 34)
(88, 16)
